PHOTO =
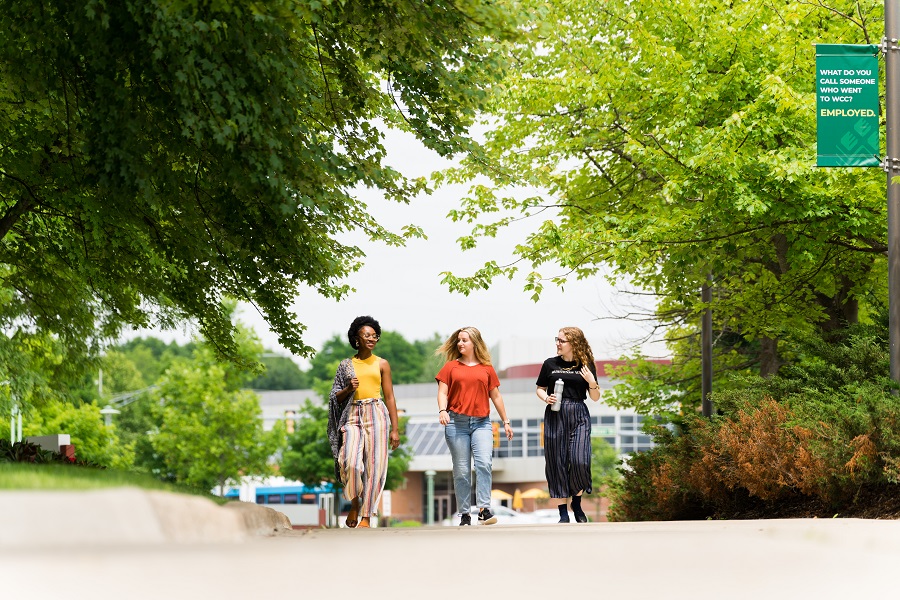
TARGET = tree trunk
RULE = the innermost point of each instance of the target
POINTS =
(769, 363)
(841, 309)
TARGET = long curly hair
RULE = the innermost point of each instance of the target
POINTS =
(581, 350)
(357, 324)
(450, 351)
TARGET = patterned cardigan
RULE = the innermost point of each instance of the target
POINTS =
(337, 411)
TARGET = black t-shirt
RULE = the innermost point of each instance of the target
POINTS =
(576, 388)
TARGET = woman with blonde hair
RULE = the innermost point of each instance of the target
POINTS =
(567, 426)
(466, 383)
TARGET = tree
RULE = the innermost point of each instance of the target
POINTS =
(153, 357)
(161, 156)
(431, 363)
(94, 441)
(671, 149)
(281, 373)
(210, 431)
(324, 364)
(604, 462)
(307, 457)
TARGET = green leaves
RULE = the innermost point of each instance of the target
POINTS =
(159, 157)
(671, 149)
(208, 432)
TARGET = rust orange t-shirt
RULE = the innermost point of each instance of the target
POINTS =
(468, 388)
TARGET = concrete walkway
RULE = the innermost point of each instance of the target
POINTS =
(179, 548)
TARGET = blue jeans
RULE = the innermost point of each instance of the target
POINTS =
(469, 437)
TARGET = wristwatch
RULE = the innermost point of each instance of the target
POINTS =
(506, 422)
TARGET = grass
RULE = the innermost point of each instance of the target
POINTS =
(27, 476)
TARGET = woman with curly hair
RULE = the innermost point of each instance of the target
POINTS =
(567, 430)
(361, 426)
(467, 384)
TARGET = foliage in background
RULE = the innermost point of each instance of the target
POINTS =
(651, 138)
(604, 463)
(159, 156)
(307, 456)
(280, 373)
(27, 452)
(824, 428)
(93, 440)
(210, 431)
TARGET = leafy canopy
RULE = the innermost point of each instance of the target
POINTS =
(676, 140)
(159, 156)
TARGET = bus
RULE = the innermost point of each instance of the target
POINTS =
(305, 506)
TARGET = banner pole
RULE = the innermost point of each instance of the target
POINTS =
(891, 164)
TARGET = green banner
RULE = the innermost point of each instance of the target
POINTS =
(847, 105)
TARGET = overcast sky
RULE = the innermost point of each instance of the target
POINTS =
(401, 286)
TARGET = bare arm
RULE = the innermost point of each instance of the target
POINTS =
(387, 387)
(497, 399)
(545, 396)
(443, 415)
(593, 386)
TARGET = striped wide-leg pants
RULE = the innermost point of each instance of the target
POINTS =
(364, 453)
(567, 449)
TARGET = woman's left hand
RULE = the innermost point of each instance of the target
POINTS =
(588, 376)
(509, 431)
(395, 439)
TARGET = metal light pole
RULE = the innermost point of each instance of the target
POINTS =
(892, 167)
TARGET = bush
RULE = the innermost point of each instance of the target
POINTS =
(25, 451)
(408, 523)
(821, 429)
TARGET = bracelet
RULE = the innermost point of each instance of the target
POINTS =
(444, 410)
(596, 387)
(506, 422)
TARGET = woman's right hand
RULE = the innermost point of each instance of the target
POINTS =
(444, 417)
(354, 383)
(551, 398)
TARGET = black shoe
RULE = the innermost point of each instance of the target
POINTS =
(580, 517)
(486, 517)
(563, 514)
(564, 518)
(465, 520)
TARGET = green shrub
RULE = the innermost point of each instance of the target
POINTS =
(408, 523)
(822, 428)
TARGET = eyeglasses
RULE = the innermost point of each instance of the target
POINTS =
(373, 336)
(559, 341)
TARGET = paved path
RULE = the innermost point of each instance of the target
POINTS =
(791, 559)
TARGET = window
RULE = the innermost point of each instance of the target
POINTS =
(290, 498)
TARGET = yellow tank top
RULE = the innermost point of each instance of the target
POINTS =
(369, 374)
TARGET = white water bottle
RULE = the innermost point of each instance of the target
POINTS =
(557, 391)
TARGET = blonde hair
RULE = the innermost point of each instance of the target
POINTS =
(581, 350)
(450, 351)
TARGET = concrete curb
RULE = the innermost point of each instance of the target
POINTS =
(128, 516)
(260, 520)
